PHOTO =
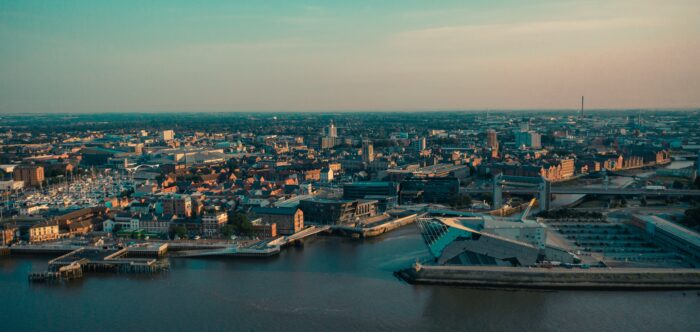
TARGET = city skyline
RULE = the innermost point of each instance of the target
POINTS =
(173, 57)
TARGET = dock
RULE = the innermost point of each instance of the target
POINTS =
(64, 273)
(73, 264)
(4, 251)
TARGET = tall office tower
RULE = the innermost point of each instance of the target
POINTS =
(167, 135)
(330, 136)
(492, 139)
(330, 131)
(367, 151)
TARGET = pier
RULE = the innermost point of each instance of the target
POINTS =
(73, 264)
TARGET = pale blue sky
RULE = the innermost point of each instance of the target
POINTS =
(132, 56)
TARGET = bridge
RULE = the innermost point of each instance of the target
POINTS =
(258, 249)
(544, 190)
(306, 232)
(591, 191)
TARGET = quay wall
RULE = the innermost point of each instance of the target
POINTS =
(366, 232)
(556, 278)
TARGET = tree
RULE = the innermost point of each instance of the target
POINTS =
(240, 223)
(228, 230)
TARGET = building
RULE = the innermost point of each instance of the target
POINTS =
(212, 222)
(481, 240)
(528, 139)
(153, 224)
(416, 190)
(328, 142)
(31, 175)
(326, 175)
(264, 230)
(360, 190)
(432, 171)
(419, 145)
(11, 185)
(123, 222)
(288, 220)
(167, 135)
(367, 151)
(492, 139)
(43, 231)
(334, 212)
(179, 205)
(81, 221)
(8, 233)
(331, 130)
(669, 234)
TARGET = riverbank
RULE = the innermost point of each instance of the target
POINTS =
(554, 278)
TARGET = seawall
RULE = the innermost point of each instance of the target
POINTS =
(555, 278)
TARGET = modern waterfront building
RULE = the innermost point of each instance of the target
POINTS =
(482, 240)
(335, 212)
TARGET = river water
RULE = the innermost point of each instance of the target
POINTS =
(332, 283)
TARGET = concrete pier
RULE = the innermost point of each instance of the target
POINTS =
(554, 278)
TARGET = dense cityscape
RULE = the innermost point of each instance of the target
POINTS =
(350, 166)
(613, 191)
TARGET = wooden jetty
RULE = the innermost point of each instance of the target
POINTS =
(64, 273)
(73, 264)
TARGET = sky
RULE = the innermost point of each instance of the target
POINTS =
(227, 56)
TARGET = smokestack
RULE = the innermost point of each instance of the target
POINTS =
(581, 106)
